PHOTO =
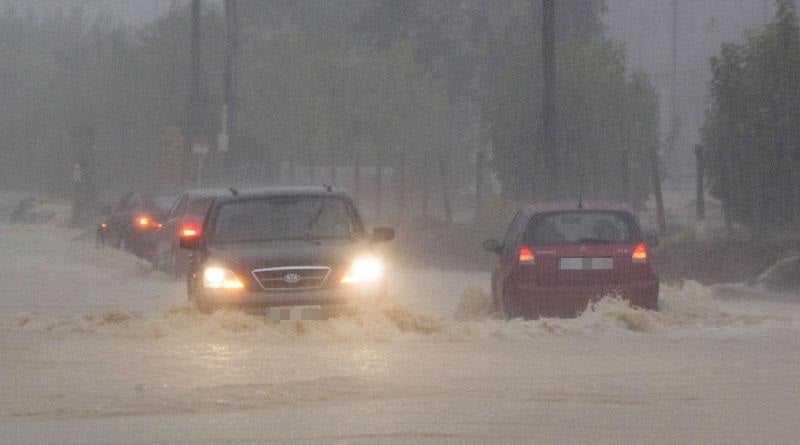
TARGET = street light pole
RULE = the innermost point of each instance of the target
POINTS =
(549, 110)
(193, 124)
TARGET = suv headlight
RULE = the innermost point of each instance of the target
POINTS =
(219, 278)
(366, 269)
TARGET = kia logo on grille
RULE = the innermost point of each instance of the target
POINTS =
(291, 278)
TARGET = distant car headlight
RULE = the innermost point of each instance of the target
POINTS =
(219, 278)
(366, 269)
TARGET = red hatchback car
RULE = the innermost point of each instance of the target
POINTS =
(555, 260)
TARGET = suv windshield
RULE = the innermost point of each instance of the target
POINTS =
(284, 218)
(581, 227)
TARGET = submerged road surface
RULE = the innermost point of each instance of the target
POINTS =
(96, 348)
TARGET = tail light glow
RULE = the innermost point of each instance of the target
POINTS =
(639, 253)
(145, 222)
(526, 256)
(188, 232)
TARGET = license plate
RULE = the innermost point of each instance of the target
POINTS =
(294, 313)
(586, 263)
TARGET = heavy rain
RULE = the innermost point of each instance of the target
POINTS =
(399, 221)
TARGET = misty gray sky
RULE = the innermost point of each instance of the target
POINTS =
(645, 27)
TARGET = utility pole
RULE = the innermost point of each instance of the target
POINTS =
(673, 87)
(194, 91)
(549, 118)
(230, 76)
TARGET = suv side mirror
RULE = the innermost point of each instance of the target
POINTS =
(190, 242)
(492, 245)
(382, 234)
(651, 240)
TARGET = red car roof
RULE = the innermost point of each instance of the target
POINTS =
(564, 206)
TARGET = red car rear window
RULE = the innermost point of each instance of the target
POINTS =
(581, 227)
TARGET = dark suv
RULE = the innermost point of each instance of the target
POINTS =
(555, 260)
(298, 252)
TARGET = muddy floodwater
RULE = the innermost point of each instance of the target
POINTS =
(97, 348)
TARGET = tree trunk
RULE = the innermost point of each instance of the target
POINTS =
(445, 184)
(401, 186)
(378, 187)
(291, 168)
(479, 192)
(312, 168)
(656, 175)
(626, 178)
(333, 167)
(727, 191)
(796, 194)
(758, 206)
(701, 190)
(426, 183)
(357, 178)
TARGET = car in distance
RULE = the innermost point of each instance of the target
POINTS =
(131, 224)
(296, 252)
(185, 216)
(555, 260)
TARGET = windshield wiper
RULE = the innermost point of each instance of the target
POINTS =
(314, 220)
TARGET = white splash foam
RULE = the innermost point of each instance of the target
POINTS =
(684, 309)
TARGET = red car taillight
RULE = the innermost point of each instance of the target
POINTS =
(189, 232)
(639, 254)
(145, 222)
(526, 256)
(189, 228)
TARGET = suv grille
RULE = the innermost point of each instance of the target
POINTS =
(292, 278)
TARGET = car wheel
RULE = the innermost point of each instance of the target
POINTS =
(196, 300)
(651, 304)
(494, 303)
(176, 268)
(190, 291)
(203, 306)
(508, 308)
(154, 262)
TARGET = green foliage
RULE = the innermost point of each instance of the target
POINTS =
(605, 116)
(128, 85)
(750, 134)
(392, 81)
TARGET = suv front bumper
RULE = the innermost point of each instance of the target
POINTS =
(336, 297)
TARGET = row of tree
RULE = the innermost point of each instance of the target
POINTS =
(403, 84)
(751, 137)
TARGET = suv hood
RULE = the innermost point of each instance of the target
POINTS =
(247, 257)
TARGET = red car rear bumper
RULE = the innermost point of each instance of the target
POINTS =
(569, 301)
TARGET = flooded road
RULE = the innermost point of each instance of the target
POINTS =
(96, 348)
